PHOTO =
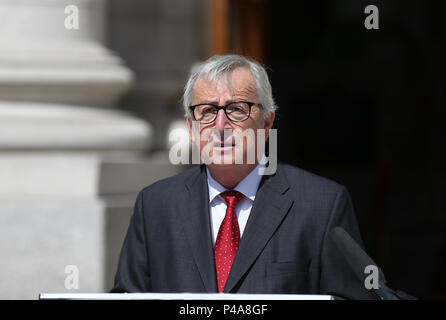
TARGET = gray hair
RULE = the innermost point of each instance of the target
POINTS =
(217, 66)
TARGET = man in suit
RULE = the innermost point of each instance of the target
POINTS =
(225, 227)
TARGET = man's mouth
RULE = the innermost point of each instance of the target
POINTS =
(223, 144)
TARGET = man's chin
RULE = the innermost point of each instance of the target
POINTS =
(223, 162)
(223, 165)
(227, 163)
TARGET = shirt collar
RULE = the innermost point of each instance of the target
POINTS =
(248, 186)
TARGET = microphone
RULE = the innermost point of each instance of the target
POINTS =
(358, 260)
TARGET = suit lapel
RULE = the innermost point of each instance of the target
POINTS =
(196, 222)
(269, 209)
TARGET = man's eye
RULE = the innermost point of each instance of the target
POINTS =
(207, 110)
(237, 108)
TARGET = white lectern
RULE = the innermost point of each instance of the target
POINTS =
(180, 296)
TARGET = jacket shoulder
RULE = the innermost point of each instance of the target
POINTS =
(166, 190)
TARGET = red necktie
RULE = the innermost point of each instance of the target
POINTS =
(228, 238)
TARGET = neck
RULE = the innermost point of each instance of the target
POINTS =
(229, 176)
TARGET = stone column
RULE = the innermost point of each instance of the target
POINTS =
(70, 164)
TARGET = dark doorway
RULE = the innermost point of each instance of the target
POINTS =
(366, 109)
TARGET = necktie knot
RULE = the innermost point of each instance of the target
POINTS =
(232, 197)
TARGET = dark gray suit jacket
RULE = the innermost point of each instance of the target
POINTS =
(285, 247)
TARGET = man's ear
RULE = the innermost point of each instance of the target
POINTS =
(269, 121)
(189, 126)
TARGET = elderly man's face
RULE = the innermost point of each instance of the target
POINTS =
(242, 88)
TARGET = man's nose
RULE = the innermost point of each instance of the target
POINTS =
(222, 122)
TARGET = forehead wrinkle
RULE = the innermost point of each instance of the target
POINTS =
(209, 90)
(204, 89)
(247, 91)
(246, 88)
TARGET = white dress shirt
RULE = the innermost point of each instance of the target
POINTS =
(217, 205)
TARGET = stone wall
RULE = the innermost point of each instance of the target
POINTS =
(71, 163)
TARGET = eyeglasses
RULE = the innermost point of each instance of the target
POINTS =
(235, 111)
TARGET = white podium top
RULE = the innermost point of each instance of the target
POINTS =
(180, 296)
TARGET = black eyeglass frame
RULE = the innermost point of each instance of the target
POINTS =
(250, 105)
